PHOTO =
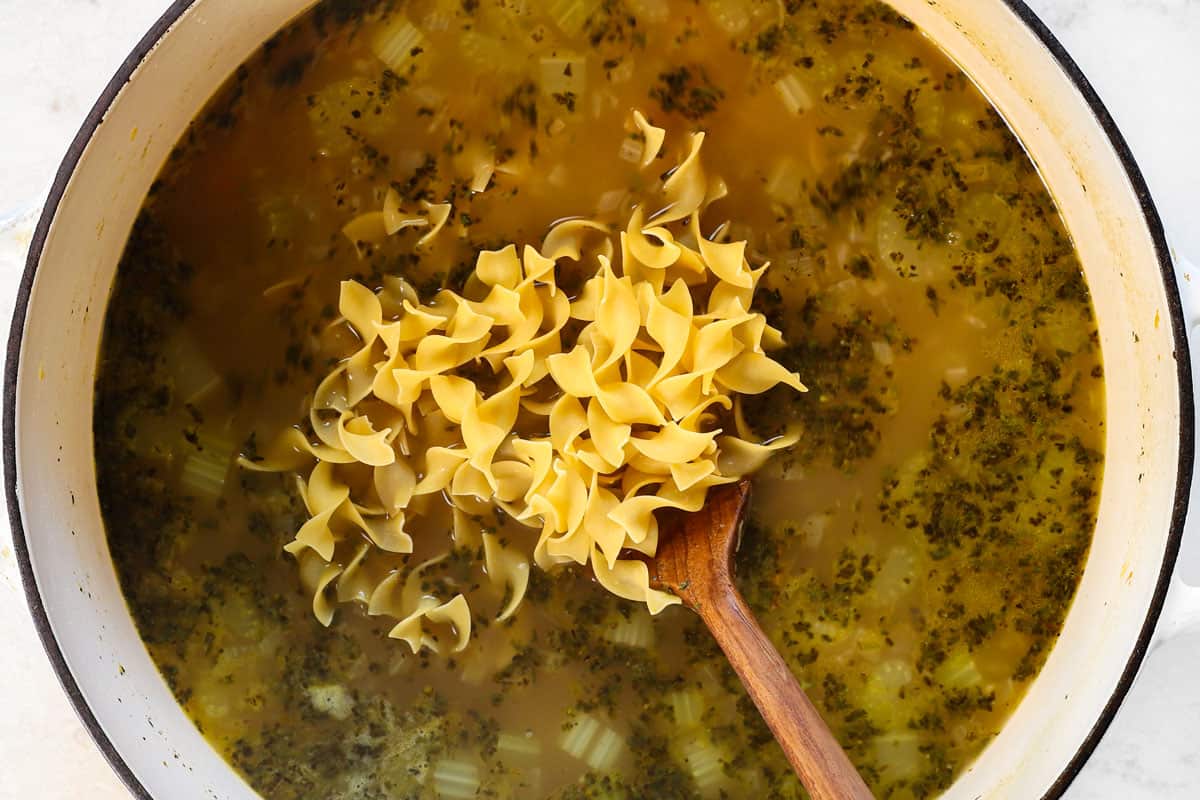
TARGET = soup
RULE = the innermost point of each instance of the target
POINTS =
(912, 554)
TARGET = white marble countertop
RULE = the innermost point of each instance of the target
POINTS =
(56, 55)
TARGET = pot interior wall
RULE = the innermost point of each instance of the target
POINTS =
(1122, 263)
(59, 505)
(58, 359)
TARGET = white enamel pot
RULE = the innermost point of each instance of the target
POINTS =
(48, 457)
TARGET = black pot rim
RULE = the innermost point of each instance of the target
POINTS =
(148, 42)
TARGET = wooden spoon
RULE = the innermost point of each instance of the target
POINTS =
(695, 562)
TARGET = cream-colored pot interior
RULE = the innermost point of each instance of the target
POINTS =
(53, 424)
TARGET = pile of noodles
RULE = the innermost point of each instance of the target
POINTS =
(483, 402)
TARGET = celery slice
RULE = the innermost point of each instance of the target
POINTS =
(207, 466)
(572, 15)
(457, 780)
(637, 631)
(607, 750)
(688, 708)
(579, 736)
(192, 373)
(704, 762)
(521, 746)
(397, 44)
(959, 671)
(795, 95)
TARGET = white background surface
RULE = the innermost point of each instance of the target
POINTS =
(55, 57)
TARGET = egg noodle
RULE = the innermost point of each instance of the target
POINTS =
(578, 415)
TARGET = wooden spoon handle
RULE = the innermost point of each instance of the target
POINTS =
(806, 740)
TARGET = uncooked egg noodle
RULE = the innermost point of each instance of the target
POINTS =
(577, 416)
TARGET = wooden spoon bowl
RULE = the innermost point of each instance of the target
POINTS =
(695, 562)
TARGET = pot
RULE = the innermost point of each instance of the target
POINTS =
(50, 475)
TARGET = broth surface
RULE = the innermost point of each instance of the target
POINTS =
(913, 556)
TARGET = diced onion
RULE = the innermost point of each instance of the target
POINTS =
(649, 10)
(631, 150)
(483, 50)
(334, 700)
(563, 75)
(484, 171)
(899, 755)
(956, 376)
(558, 177)
(610, 201)
(896, 577)
(813, 529)
(785, 181)
(731, 16)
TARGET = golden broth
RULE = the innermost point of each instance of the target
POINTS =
(913, 556)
